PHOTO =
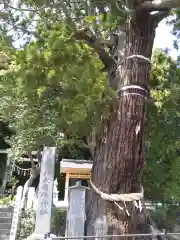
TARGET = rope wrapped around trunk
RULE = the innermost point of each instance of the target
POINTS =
(125, 197)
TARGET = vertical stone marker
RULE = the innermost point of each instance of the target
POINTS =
(76, 212)
(45, 194)
(101, 227)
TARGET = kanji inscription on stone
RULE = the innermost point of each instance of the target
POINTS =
(45, 195)
(76, 212)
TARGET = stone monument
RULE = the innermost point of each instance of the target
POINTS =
(76, 211)
(45, 194)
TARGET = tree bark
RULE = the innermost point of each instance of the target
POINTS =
(119, 156)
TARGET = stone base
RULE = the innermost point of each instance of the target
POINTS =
(36, 236)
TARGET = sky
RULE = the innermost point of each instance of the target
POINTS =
(164, 38)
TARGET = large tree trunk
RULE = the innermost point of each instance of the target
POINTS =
(119, 157)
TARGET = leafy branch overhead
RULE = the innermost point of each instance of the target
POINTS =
(99, 16)
(65, 87)
(53, 89)
(99, 24)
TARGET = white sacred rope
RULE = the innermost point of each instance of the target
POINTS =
(124, 88)
(129, 87)
(125, 197)
(134, 56)
(140, 57)
(22, 171)
(137, 94)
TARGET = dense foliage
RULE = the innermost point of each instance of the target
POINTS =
(47, 101)
(63, 91)
(27, 225)
(54, 92)
(163, 122)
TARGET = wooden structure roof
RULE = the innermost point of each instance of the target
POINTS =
(76, 168)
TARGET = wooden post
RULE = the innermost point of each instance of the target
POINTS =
(66, 187)
(55, 193)
(45, 194)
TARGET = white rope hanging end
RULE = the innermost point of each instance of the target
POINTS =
(126, 197)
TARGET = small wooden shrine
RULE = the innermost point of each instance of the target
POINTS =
(71, 172)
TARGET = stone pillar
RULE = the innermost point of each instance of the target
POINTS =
(76, 211)
(45, 194)
(101, 227)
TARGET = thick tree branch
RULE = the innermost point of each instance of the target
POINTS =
(159, 5)
(88, 37)
(160, 16)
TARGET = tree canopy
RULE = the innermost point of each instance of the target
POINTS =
(65, 92)
(54, 89)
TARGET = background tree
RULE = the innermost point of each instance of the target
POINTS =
(117, 145)
(5, 132)
(163, 144)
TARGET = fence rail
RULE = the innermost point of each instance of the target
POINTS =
(162, 234)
